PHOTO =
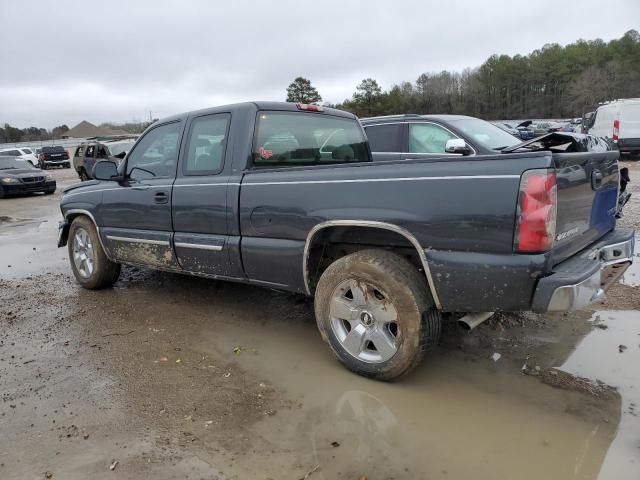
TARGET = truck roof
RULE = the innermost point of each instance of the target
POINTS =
(442, 117)
(262, 105)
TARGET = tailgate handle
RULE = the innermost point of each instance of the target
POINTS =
(596, 179)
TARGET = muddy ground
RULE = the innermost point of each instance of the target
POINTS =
(167, 376)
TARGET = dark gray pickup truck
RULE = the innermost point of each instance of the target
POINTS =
(287, 196)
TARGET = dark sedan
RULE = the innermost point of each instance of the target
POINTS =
(19, 177)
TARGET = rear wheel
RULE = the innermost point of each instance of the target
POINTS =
(83, 175)
(374, 310)
(89, 263)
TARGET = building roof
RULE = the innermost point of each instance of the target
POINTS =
(86, 129)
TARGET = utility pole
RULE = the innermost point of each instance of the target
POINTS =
(150, 117)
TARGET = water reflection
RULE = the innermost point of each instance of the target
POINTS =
(612, 354)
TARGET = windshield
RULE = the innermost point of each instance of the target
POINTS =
(118, 148)
(485, 133)
(7, 163)
(26, 150)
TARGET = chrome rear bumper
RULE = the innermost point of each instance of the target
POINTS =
(584, 278)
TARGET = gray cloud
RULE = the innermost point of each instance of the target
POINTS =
(65, 61)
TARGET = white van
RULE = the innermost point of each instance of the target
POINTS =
(619, 121)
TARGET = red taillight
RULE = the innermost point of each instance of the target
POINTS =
(616, 130)
(41, 156)
(307, 107)
(537, 208)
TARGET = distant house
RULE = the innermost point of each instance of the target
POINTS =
(86, 129)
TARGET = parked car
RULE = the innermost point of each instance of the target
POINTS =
(419, 136)
(22, 153)
(525, 130)
(53, 157)
(287, 196)
(507, 127)
(545, 126)
(20, 177)
(619, 122)
(88, 153)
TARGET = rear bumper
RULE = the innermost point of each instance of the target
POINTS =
(56, 162)
(584, 278)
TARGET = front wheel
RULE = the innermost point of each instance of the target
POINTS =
(89, 263)
(374, 310)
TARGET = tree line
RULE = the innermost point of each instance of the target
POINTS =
(9, 134)
(551, 82)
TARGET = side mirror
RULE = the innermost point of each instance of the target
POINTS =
(457, 145)
(105, 170)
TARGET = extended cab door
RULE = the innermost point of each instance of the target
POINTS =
(199, 202)
(136, 213)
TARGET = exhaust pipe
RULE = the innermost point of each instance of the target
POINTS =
(472, 320)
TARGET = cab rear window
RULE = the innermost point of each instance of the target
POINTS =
(292, 138)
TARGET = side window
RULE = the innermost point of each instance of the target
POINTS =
(428, 138)
(296, 138)
(102, 152)
(156, 154)
(26, 150)
(385, 138)
(206, 145)
(79, 151)
(90, 151)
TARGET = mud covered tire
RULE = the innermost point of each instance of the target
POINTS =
(418, 322)
(104, 272)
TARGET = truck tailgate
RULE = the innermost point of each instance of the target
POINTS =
(587, 185)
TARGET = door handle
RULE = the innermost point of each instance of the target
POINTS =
(161, 197)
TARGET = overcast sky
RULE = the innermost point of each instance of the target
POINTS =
(67, 61)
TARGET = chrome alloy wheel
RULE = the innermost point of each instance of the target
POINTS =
(83, 253)
(364, 321)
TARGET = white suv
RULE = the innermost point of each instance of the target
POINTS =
(22, 153)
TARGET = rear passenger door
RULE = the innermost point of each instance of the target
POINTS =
(199, 201)
(89, 159)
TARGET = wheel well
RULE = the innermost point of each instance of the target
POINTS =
(69, 220)
(332, 243)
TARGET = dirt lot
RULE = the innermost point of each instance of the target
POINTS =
(167, 376)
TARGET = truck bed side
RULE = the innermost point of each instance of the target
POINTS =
(453, 208)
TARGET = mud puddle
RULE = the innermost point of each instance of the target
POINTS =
(611, 354)
(175, 376)
(28, 247)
